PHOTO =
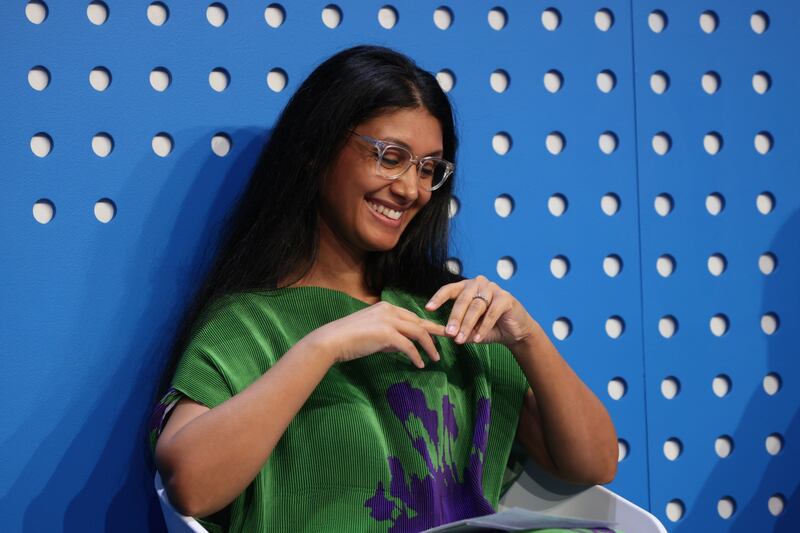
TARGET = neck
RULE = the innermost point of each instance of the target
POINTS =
(338, 266)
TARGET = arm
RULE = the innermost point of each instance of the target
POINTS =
(564, 427)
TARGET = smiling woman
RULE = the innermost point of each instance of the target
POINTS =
(297, 396)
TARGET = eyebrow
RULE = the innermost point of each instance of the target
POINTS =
(405, 145)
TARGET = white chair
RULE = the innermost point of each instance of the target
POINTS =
(536, 490)
(546, 495)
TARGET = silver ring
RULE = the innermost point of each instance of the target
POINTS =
(482, 297)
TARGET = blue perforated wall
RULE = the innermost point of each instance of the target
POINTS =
(629, 170)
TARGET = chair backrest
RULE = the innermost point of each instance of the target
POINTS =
(176, 522)
(536, 490)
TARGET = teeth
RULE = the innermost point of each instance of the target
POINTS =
(390, 213)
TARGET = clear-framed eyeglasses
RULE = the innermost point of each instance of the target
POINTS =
(393, 160)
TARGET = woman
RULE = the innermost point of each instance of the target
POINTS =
(314, 385)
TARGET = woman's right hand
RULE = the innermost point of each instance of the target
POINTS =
(381, 327)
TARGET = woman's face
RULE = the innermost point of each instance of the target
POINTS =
(352, 185)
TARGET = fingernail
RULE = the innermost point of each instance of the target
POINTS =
(477, 337)
(438, 357)
(429, 304)
(460, 337)
(451, 328)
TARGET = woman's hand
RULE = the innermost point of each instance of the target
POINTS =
(500, 319)
(381, 327)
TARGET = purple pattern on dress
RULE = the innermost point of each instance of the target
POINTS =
(414, 504)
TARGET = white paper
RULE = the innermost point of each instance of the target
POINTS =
(516, 519)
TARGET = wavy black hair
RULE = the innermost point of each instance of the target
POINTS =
(272, 232)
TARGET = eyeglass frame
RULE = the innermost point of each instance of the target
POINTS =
(382, 146)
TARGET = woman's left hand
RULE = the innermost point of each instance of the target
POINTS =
(499, 318)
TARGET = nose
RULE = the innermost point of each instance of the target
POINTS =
(407, 185)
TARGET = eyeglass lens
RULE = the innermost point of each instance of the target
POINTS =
(396, 160)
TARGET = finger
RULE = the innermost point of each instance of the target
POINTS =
(433, 328)
(419, 334)
(407, 347)
(500, 304)
(461, 305)
(475, 310)
(445, 293)
(429, 325)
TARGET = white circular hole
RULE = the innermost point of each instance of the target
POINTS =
(553, 81)
(276, 80)
(452, 208)
(99, 79)
(446, 80)
(442, 18)
(453, 265)
(776, 504)
(612, 265)
(614, 327)
(43, 211)
(771, 383)
(557, 205)
(607, 142)
(723, 446)
(718, 325)
(559, 266)
(102, 144)
(97, 12)
(218, 79)
(661, 143)
(41, 144)
(716, 264)
(667, 326)
(551, 19)
(554, 143)
(665, 266)
(670, 388)
(675, 510)
(501, 143)
(714, 204)
(561, 328)
(774, 444)
(766, 263)
(712, 142)
(387, 17)
(497, 18)
(220, 144)
(759, 22)
(672, 449)
(721, 385)
(331, 16)
(506, 267)
(657, 21)
(726, 507)
(708, 21)
(622, 450)
(761, 82)
(765, 203)
(104, 210)
(659, 82)
(604, 19)
(503, 205)
(157, 14)
(36, 12)
(710, 82)
(216, 14)
(160, 79)
(609, 204)
(663, 204)
(499, 81)
(763, 142)
(38, 78)
(162, 144)
(617, 388)
(769, 323)
(606, 81)
(274, 15)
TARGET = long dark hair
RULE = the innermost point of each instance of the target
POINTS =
(272, 233)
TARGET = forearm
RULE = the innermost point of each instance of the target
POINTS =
(214, 457)
(576, 428)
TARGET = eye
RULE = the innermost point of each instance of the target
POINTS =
(393, 157)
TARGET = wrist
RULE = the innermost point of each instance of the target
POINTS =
(321, 346)
(526, 341)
